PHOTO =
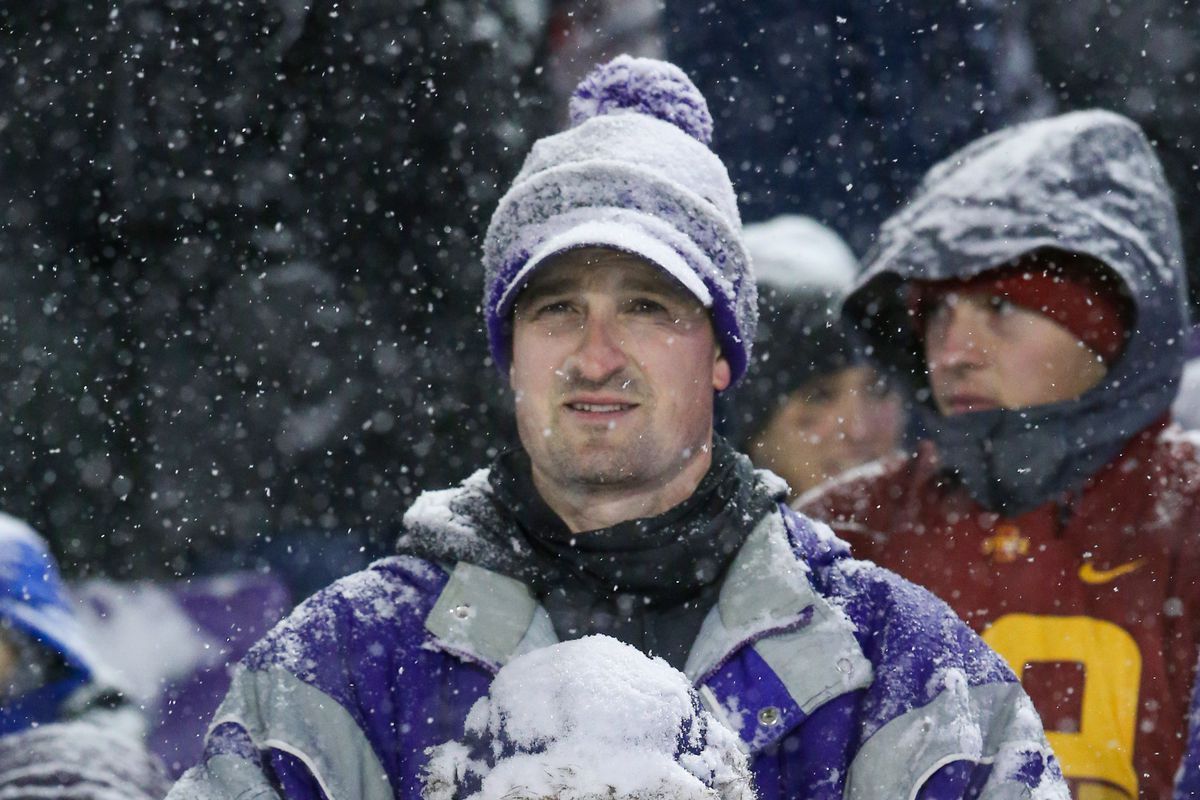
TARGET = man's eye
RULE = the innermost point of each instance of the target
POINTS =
(646, 306)
(553, 308)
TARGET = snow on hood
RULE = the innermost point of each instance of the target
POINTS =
(1087, 182)
(590, 718)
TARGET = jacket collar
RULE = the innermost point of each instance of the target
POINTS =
(488, 618)
(768, 604)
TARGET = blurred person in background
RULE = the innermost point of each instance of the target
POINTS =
(1032, 293)
(811, 406)
(65, 730)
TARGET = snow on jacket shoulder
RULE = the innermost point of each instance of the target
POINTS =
(841, 680)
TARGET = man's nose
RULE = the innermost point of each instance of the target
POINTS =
(601, 350)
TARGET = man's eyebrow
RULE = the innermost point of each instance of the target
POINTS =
(664, 287)
(544, 287)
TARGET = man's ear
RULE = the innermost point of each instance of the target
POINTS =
(722, 372)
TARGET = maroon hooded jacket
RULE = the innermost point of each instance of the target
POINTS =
(1094, 598)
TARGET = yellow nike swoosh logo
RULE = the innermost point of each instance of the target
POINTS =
(1089, 574)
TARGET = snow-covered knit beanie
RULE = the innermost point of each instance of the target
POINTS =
(795, 253)
(588, 719)
(634, 172)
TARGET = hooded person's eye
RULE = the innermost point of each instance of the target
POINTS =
(1001, 305)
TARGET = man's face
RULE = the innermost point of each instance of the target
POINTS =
(985, 353)
(832, 423)
(614, 367)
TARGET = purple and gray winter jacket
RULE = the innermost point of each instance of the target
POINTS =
(841, 680)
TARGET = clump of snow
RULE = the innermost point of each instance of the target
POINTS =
(794, 252)
(590, 718)
(436, 509)
(645, 86)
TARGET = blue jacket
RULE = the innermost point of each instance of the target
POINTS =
(841, 680)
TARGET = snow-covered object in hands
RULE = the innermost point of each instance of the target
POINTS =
(589, 718)
(632, 174)
(792, 252)
(1087, 182)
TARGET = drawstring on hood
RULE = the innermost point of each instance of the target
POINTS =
(1087, 183)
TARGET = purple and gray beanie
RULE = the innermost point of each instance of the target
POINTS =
(633, 173)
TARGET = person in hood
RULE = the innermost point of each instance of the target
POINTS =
(619, 300)
(1032, 294)
(811, 406)
(65, 731)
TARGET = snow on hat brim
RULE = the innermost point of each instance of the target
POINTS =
(615, 235)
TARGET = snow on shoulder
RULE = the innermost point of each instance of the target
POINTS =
(589, 718)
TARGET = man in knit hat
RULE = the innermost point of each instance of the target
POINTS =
(1032, 294)
(619, 301)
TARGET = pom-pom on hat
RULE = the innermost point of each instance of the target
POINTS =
(633, 173)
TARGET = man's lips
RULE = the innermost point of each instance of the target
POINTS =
(597, 407)
(964, 402)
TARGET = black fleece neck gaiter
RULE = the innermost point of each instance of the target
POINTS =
(648, 582)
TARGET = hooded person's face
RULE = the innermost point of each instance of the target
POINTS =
(614, 366)
(985, 353)
(830, 424)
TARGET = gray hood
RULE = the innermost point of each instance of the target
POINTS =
(1088, 183)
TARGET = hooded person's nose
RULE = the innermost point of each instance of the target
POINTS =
(957, 340)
